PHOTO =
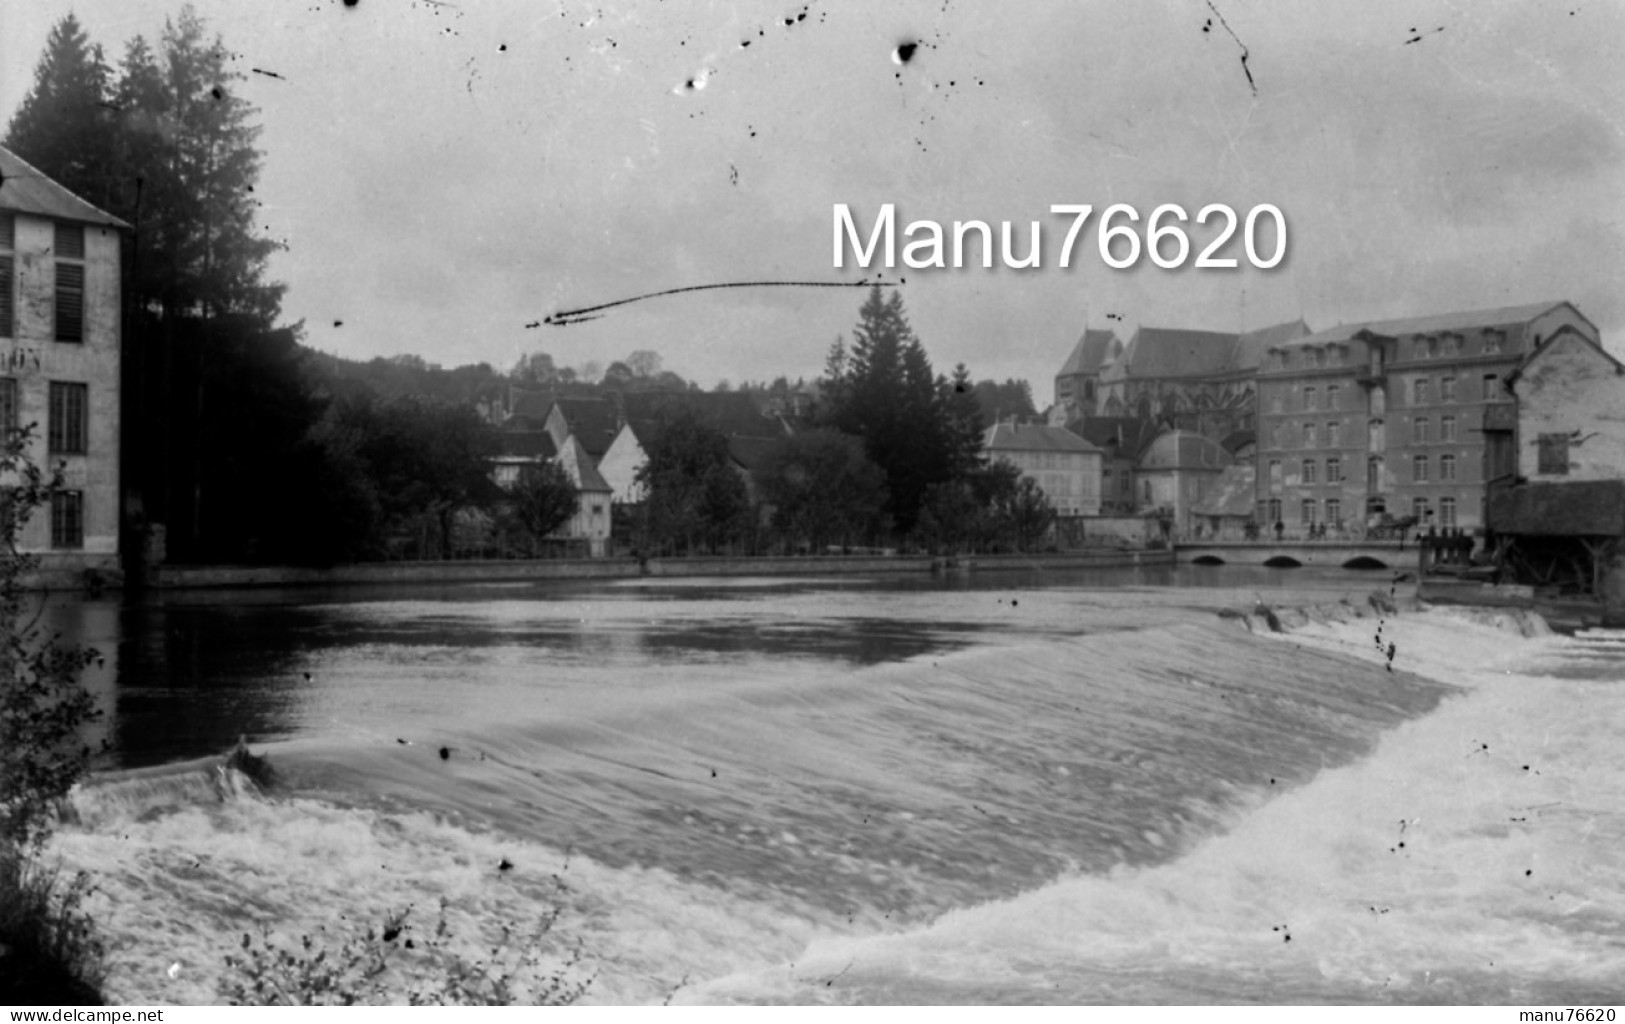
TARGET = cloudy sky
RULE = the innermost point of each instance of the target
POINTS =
(444, 174)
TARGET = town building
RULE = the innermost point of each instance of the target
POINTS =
(1063, 465)
(1078, 382)
(646, 413)
(520, 449)
(1177, 471)
(1558, 520)
(61, 330)
(1370, 422)
(1200, 381)
(1120, 439)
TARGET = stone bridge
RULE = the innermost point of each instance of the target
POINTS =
(1384, 554)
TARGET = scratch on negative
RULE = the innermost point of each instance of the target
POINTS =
(565, 318)
(1244, 54)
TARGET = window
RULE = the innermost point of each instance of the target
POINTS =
(1275, 474)
(1331, 396)
(1334, 471)
(1493, 340)
(1275, 435)
(1311, 470)
(1432, 348)
(1309, 400)
(68, 519)
(1334, 511)
(70, 282)
(1447, 513)
(1419, 469)
(1419, 509)
(1275, 400)
(1447, 428)
(8, 405)
(69, 416)
(1421, 391)
(1309, 435)
(1373, 472)
(1334, 434)
(1308, 511)
(1447, 467)
(1492, 387)
(8, 224)
(1088, 391)
(1419, 430)
(1447, 389)
(1275, 510)
(1554, 455)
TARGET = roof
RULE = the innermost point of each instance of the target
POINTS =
(1544, 346)
(1012, 437)
(1184, 449)
(1467, 320)
(732, 412)
(1175, 352)
(1088, 353)
(525, 444)
(531, 405)
(1232, 494)
(1250, 347)
(592, 421)
(1127, 434)
(1236, 440)
(1575, 508)
(587, 476)
(750, 451)
(25, 189)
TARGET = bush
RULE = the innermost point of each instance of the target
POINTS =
(48, 949)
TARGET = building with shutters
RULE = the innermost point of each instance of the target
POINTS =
(60, 337)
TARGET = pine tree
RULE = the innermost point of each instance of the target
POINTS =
(62, 126)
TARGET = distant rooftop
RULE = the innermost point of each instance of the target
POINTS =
(1467, 320)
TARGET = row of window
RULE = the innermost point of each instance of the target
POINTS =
(1421, 432)
(1421, 470)
(67, 517)
(70, 280)
(1490, 389)
(1448, 346)
(67, 429)
(1310, 511)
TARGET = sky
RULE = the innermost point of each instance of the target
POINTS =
(445, 176)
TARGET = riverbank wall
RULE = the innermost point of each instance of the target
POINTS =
(384, 573)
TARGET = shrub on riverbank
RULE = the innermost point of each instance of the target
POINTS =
(48, 949)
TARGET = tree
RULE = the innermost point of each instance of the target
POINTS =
(48, 948)
(618, 375)
(1012, 398)
(644, 363)
(693, 497)
(965, 420)
(886, 393)
(542, 500)
(63, 124)
(822, 488)
(535, 369)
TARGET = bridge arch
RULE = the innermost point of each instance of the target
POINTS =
(1365, 562)
(1207, 560)
(1282, 562)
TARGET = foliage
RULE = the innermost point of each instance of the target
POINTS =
(694, 499)
(389, 965)
(48, 950)
(883, 391)
(1011, 398)
(542, 500)
(822, 488)
(61, 125)
(993, 508)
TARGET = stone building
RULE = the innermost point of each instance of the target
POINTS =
(1200, 381)
(1177, 471)
(1065, 466)
(1078, 383)
(60, 338)
(1389, 418)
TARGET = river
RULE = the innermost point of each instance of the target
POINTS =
(992, 788)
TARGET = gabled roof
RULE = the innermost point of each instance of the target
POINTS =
(592, 421)
(587, 476)
(1012, 437)
(25, 189)
(1088, 354)
(525, 444)
(531, 405)
(1232, 494)
(1127, 434)
(1563, 331)
(1184, 449)
(1466, 320)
